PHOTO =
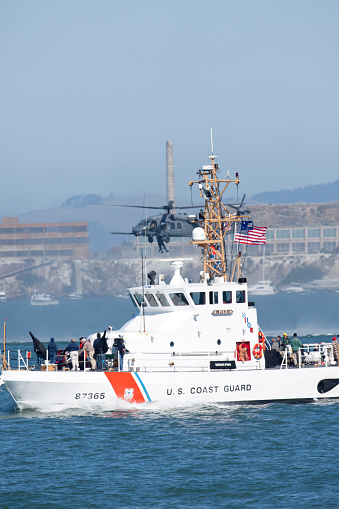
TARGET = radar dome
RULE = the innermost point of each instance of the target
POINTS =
(198, 234)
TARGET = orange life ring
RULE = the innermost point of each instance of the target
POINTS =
(257, 351)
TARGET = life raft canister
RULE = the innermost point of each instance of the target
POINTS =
(257, 351)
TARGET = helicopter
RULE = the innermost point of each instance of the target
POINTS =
(170, 223)
(164, 226)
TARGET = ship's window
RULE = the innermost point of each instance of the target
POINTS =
(240, 296)
(178, 226)
(140, 300)
(219, 342)
(151, 300)
(243, 351)
(213, 297)
(178, 299)
(171, 344)
(227, 297)
(162, 299)
(135, 304)
(172, 226)
(198, 298)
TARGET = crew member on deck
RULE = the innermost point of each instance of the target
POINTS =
(52, 351)
(88, 348)
(73, 349)
(285, 341)
(122, 351)
(295, 345)
(96, 341)
(276, 343)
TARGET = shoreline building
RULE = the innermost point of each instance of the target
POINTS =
(43, 240)
(301, 240)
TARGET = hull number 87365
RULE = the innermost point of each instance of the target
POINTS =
(90, 395)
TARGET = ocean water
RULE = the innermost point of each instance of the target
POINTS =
(275, 455)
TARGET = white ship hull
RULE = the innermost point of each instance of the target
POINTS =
(111, 390)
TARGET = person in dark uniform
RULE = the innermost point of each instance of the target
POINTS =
(52, 351)
(122, 351)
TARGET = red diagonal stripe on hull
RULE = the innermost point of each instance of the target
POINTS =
(123, 383)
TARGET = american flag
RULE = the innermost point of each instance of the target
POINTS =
(255, 235)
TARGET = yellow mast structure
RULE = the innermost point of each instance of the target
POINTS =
(217, 220)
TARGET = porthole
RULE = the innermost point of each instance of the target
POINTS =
(171, 344)
(219, 342)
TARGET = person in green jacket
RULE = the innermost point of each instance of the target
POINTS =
(295, 345)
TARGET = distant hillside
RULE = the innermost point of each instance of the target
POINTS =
(321, 193)
(288, 207)
(102, 216)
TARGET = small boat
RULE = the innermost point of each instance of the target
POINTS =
(3, 297)
(42, 299)
(75, 296)
(193, 340)
(264, 287)
(293, 288)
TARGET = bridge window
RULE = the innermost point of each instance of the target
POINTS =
(227, 297)
(151, 300)
(178, 226)
(240, 296)
(199, 298)
(162, 299)
(213, 297)
(140, 300)
(179, 299)
(131, 297)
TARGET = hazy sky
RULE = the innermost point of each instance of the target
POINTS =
(91, 90)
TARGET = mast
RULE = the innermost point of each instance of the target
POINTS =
(217, 221)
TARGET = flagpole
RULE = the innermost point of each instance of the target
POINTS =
(263, 262)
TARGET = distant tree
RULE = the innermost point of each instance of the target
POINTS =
(81, 200)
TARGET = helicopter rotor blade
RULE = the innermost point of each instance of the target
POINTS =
(163, 207)
(122, 233)
(130, 206)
